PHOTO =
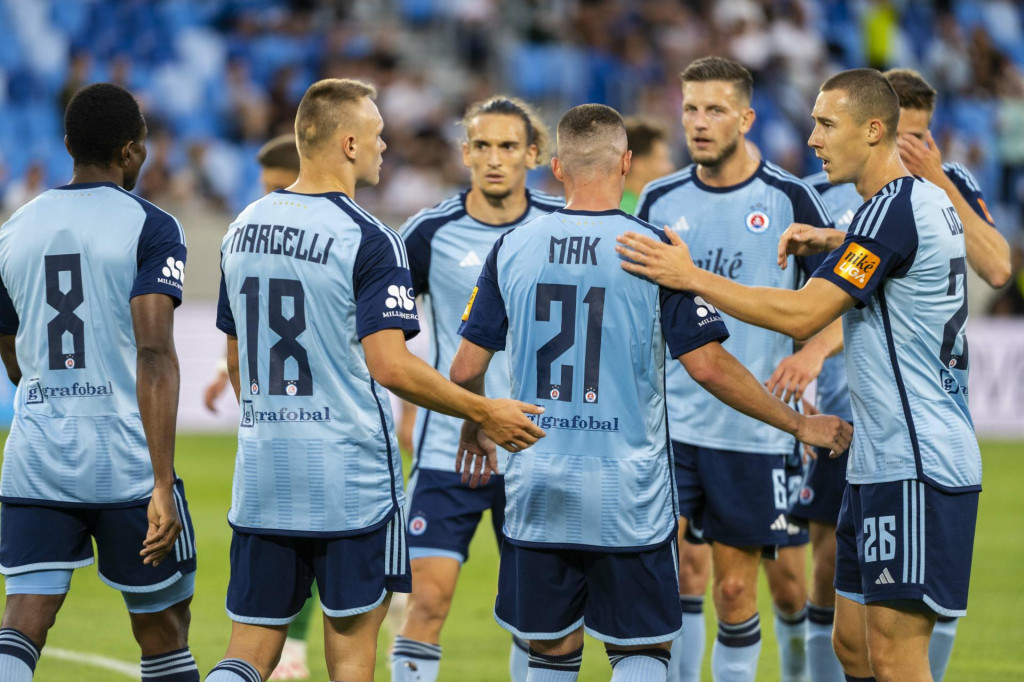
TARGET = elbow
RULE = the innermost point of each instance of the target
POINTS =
(388, 375)
(998, 276)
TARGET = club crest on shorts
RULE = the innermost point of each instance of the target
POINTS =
(757, 221)
(806, 495)
(417, 525)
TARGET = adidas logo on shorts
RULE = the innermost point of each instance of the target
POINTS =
(780, 523)
(885, 578)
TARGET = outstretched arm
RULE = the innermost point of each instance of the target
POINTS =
(157, 391)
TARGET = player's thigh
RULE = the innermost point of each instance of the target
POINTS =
(444, 513)
(694, 562)
(433, 584)
(746, 498)
(849, 636)
(631, 597)
(350, 643)
(542, 593)
(260, 645)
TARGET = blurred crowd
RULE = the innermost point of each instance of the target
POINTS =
(217, 78)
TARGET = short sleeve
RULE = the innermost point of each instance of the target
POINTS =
(9, 321)
(881, 243)
(689, 322)
(969, 189)
(417, 246)
(385, 297)
(160, 257)
(225, 318)
(485, 321)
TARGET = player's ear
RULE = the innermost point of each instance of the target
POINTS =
(627, 162)
(348, 147)
(532, 152)
(556, 169)
(747, 120)
(465, 153)
(875, 131)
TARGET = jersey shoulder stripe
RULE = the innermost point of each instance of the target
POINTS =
(961, 172)
(450, 209)
(656, 189)
(364, 220)
(790, 184)
(152, 209)
(819, 182)
(543, 200)
(874, 212)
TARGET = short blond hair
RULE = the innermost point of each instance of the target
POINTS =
(321, 110)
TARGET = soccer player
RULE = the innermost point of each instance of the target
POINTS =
(820, 496)
(317, 304)
(590, 517)
(505, 138)
(733, 471)
(906, 526)
(90, 278)
(652, 158)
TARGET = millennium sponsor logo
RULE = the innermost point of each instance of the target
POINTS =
(574, 423)
(291, 415)
(36, 393)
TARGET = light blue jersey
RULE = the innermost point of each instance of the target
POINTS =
(586, 341)
(70, 262)
(842, 202)
(904, 260)
(734, 232)
(305, 278)
(446, 249)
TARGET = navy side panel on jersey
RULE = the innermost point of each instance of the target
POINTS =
(447, 248)
(70, 262)
(581, 334)
(904, 260)
(734, 232)
(305, 278)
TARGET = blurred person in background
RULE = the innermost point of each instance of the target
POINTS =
(652, 158)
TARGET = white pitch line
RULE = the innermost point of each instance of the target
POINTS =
(95, 660)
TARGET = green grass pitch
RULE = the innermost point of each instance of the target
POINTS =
(94, 621)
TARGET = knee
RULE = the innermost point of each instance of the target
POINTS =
(789, 598)
(849, 650)
(428, 602)
(734, 591)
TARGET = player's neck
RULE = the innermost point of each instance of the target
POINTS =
(740, 166)
(594, 195)
(879, 171)
(316, 180)
(91, 173)
(493, 210)
(635, 183)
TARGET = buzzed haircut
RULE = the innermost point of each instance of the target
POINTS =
(320, 113)
(720, 69)
(870, 95)
(536, 131)
(590, 138)
(912, 89)
(100, 119)
(280, 152)
(642, 134)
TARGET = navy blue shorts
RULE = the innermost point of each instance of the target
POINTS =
(444, 513)
(821, 494)
(736, 498)
(40, 538)
(797, 533)
(271, 575)
(626, 599)
(905, 540)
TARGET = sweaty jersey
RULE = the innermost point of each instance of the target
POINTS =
(586, 341)
(904, 260)
(447, 248)
(842, 202)
(71, 260)
(305, 278)
(734, 232)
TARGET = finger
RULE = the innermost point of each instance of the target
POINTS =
(632, 267)
(832, 454)
(673, 236)
(801, 386)
(774, 379)
(458, 458)
(929, 140)
(783, 259)
(534, 431)
(530, 408)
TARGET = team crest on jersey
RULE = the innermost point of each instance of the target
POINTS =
(857, 265)
(555, 393)
(291, 389)
(757, 220)
(254, 388)
(590, 396)
(417, 525)
(69, 363)
(806, 495)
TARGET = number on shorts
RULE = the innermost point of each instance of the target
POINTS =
(780, 488)
(878, 531)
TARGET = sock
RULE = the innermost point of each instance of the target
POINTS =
(18, 656)
(551, 668)
(174, 666)
(519, 660)
(821, 657)
(299, 628)
(413, 661)
(688, 646)
(641, 665)
(941, 646)
(233, 670)
(736, 650)
(851, 678)
(791, 635)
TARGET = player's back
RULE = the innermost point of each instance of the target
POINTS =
(70, 261)
(907, 354)
(585, 342)
(316, 451)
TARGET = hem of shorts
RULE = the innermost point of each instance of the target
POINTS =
(629, 549)
(253, 620)
(538, 635)
(632, 641)
(798, 540)
(747, 542)
(852, 596)
(730, 446)
(432, 552)
(942, 610)
(142, 589)
(46, 566)
(376, 525)
(62, 504)
(818, 518)
(345, 613)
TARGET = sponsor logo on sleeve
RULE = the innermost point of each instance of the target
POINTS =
(400, 302)
(173, 273)
(857, 266)
(469, 306)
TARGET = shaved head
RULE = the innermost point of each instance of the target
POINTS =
(325, 108)
(591, 140)
(869, 95)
